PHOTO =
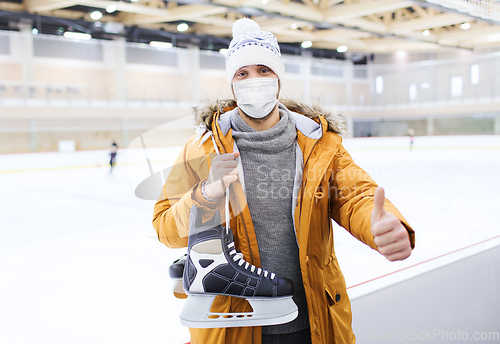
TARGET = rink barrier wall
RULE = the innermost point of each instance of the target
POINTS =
(134, 152)
(451, 295)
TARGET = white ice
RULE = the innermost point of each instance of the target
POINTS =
(80, 261)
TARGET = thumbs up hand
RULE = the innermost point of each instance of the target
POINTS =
(390, 236)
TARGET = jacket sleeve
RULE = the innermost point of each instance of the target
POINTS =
(180, 192)
(352, 191)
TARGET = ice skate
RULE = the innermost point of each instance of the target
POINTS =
(175, 271)
(214, 267)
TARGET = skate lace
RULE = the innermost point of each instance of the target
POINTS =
(238, 257)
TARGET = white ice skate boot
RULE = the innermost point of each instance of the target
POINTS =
(213, 267)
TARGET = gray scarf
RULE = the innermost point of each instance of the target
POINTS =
(268, 161)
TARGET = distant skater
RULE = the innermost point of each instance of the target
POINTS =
(411, 133)
(112, 154)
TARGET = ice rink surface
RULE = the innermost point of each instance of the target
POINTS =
(80, 261)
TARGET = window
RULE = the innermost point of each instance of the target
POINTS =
(4, 45)
(68, 49)
(474, 74)
(456, 86)
(329, 70)
(379, 84)
(150, 56)
(413, 92)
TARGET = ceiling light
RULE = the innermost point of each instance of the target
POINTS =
(294, 26)
(342, 49)
(162, 45)
(306, 44)
(264, 2)
(77, 35)
(426, 33)
(465, 26)
(223, 51)
(134, 0)
(182, 27)
(34, 31)
(111, 8)
(96, 15)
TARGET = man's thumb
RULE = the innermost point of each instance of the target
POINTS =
(378, 200)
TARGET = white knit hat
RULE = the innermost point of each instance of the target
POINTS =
(251, 46)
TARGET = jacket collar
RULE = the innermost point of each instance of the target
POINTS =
(305, 125)
(303, 114)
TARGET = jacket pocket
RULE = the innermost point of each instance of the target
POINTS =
(334, 282)
(339, 306)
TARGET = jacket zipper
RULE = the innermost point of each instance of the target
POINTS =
(301, 204)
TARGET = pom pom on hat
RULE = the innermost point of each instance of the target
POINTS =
(243, 25)
(251, 46)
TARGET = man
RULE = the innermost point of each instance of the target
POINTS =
(112, 156)
(288, 176)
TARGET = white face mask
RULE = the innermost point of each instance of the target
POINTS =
(256, 97)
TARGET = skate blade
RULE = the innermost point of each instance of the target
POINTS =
(196, 313)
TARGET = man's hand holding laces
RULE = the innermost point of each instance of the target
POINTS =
(223, 172)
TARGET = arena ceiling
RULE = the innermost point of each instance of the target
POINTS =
(363, 26)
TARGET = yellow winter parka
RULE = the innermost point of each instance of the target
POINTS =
(330, 186)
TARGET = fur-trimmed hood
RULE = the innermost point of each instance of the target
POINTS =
(205, 113)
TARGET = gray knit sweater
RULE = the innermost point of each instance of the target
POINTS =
(268, 161)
